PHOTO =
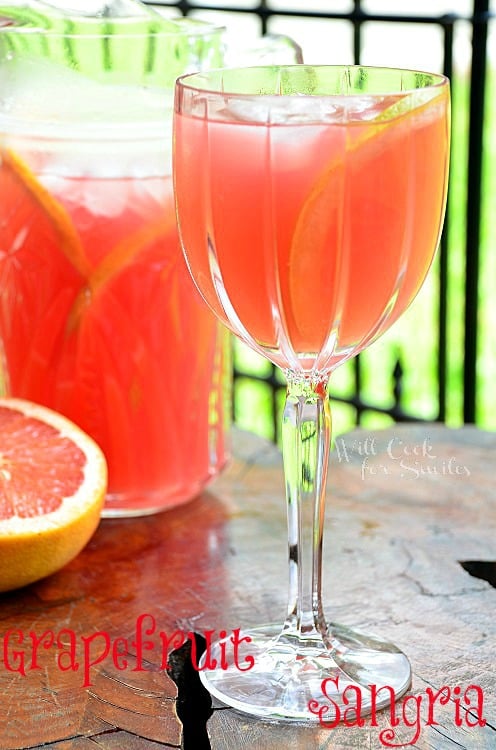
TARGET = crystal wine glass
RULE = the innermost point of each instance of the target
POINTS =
(310, 201)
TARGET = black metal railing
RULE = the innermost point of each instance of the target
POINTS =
(479, 21)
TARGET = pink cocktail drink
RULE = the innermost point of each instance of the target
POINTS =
(319, 235)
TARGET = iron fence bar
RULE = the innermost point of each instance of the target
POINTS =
(357, 51)
(473, 210)
(395, 412)
(263, 17)
(442, 359)
(357, 33)
(357, 385)
(265, 12)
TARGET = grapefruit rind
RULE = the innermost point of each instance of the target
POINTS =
(307, 253)
(118, 259)
(70, 242)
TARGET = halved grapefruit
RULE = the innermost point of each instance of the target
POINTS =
(53, 479)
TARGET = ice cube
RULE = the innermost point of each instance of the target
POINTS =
(283, 110)
(41, 92)
(83, 8)
(61, 122)
(101, 8)
(53, 14)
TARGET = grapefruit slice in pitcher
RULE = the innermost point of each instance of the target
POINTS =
(53, 481)
(31, 204)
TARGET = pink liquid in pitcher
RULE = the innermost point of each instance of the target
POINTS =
(99, 320)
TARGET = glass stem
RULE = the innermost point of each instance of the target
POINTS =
(306, 434)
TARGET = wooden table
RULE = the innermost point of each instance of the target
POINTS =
(406, 507)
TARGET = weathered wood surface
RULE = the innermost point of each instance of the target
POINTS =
(405, 506)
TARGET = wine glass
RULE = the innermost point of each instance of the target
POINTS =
(310, 201)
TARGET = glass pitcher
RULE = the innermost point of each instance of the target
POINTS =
(98, 317)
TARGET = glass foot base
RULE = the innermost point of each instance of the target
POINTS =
(305, 681)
